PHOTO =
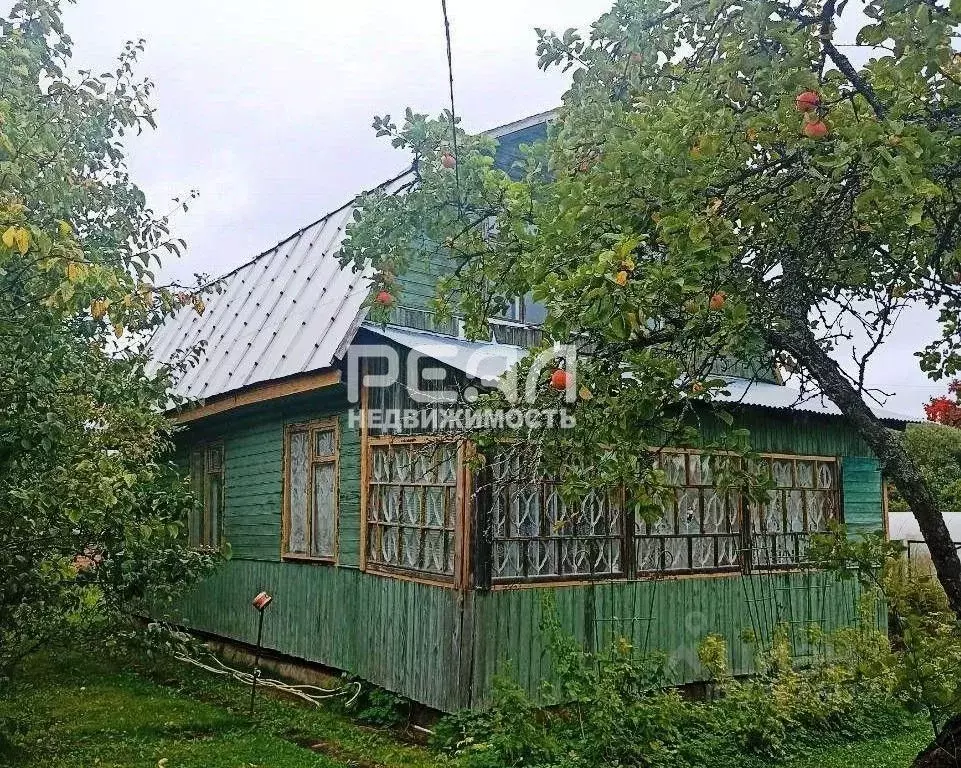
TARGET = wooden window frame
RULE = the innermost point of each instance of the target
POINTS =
(205, 538)
(461, 486)
(630, 570)
(325, 424)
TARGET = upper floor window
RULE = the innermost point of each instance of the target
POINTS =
(205, 520)
(310, 490)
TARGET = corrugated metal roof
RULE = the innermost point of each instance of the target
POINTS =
(766, 395)
(485, 361)
(290, 310)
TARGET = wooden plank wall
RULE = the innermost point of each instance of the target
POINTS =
(401, 635)
(443, 648)
(670, 615)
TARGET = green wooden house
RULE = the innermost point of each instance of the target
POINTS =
(385, 557)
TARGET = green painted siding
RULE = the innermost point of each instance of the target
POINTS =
(253, 446)
(672, 615)
(443, 648)
(861, 486)
(431, 645)
(398, 634)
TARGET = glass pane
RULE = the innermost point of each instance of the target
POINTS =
(195, 516)
(324, 443)
(297, 483)
(215, 458)
(325, 511)
(215, 495)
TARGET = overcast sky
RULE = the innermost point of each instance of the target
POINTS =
(265, 108)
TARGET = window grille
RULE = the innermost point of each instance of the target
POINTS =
(535, 534)
(538, 534)
(805, 499)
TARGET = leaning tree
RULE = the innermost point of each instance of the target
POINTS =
(765, 180)
(92, 510)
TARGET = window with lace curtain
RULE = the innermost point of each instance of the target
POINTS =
(703, 526)
(310, 490)
(412, 493)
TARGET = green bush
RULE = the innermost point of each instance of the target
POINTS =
(614, 708)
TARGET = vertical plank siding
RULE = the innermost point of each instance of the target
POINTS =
(670, 615)
(397, 634)
(441, 646)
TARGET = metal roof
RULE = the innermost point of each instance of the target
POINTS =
(483, 360)
(290, 310)
(767, 395)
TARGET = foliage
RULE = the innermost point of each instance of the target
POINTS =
(614, 708)
(924, 659)
(91, 507)
(937, 451)
(945, 410)
(378, 706)
(685, 212)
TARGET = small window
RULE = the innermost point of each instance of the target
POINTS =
(207, 479)
(310, 501)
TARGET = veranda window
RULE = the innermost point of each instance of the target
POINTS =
(700, 524)
(539, 535)
(310, 490)
(805, 499)
(412, 506)
(703, 527)
(207, 479)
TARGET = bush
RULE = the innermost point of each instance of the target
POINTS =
(614, 708)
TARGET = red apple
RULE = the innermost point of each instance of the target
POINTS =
(816, 129)
(718, 300)
(807, 101)
(559, 379)
(384, 298)
(448, 160)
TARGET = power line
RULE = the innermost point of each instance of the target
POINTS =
(453, 114)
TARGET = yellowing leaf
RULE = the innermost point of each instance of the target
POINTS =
(21, 237)
(65, 229)
(199, 305)
(9, 237)
(118, 329)
(98, 308)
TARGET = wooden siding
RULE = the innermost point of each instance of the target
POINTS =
(401, 635)
(253, 445)
(672, 615)
(442, 649)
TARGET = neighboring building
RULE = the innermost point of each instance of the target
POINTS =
(389, 560)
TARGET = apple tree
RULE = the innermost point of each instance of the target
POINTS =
(92, 510)
(773, 180)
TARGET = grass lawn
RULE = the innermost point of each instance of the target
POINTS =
(71, 710)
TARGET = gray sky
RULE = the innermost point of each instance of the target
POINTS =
(265, 107)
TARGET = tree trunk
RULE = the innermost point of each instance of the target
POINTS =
(898, 466)
(945, 750)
